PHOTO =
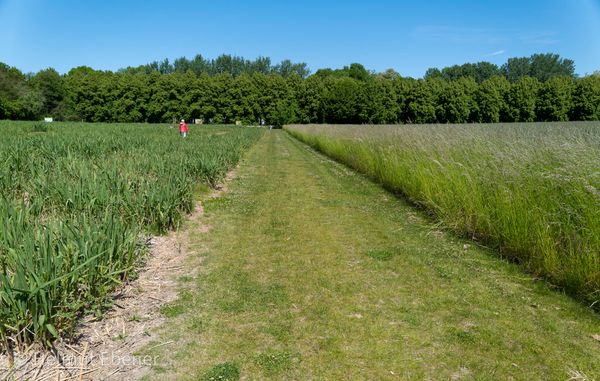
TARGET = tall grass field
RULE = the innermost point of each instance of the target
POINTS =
(76, 201)
(530, 190)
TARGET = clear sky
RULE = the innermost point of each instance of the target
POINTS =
(408, 36)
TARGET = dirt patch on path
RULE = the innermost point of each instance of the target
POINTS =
(104, 349)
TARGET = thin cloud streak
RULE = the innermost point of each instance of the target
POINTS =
(499, 52)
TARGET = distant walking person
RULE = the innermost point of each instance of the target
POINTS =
(183, 130)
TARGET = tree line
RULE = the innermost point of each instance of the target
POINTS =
(542, 87)
(225, 63)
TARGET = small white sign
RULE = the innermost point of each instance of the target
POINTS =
(48, 120)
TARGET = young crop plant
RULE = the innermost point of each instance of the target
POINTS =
(75, 204)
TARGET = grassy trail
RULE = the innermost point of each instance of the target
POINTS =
(311, 272)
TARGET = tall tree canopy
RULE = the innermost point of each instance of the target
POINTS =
(539, 66)
(542, 87)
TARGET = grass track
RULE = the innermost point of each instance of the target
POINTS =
(313, 272)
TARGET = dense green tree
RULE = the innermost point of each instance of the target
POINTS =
(457, 102)
(555, 99)
(230, 88)
(30, 105)
(485, 70)
(13, 87)
(432, 73)
(310, 100)
(547, 66)
(343, 100)
(283, 112)
(539, 66)
(586, 99)
(380, 104)
(165, 67)
(516, 68)
(390, 74)
(354, 71)
(49, 84)
(279, 90)
(166, 98)
(478, 71)
(221, 83)
(490, 99)
(402, 89)
(358, 72)
(11, 81)
(130, 97)
(199, 65)
(421, 103)
(260, 65)
(181, 65)
(521, 100)
(243, 97)
(326, 72)
(87, 92)
(287, 68)
(225, 63)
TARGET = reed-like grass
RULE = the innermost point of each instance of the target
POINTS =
(530, 190)
(75, 202)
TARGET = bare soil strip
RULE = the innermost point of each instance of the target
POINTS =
(104, 348)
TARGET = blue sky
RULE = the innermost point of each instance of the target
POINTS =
(408, 36)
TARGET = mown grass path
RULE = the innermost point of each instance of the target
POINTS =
(312, 272)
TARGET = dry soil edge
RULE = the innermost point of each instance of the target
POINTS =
(104, 349)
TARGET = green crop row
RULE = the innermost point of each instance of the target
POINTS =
(531, 191)
(75, 202)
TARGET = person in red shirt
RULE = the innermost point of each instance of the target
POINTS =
(183, 130)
